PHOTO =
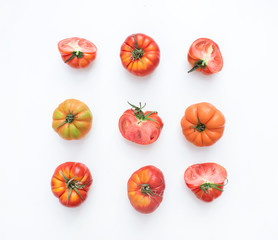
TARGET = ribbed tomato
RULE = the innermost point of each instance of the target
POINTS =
(204, 55)
(140, 54)
(72, 119)
(206, 180)
(146, 188)
(139, 127)
(70, 183)
(77, 52)
(203, 124)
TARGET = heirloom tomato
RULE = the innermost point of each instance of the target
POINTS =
(72, 119)
(139, 127)
(70, 183)
(202, 124)
(206, 180)
(77, 52)
(140, 54)
(204, 56)
(145, 189)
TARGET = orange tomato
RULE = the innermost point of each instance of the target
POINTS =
(140, 54)
(72, 119)
(145, 189)
(77, 52)
(202, 124)
(70, 183)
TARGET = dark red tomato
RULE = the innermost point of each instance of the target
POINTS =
(77, 52)
(140, 54)
(204, 56)
(206, 180)
(139, 127)
(145, 189)
(70, 183)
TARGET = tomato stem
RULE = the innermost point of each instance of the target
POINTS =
(207, 185)
(199, 64)
(72, 184)
(200, 127)
(137, 52)
(69, 119)
(74, 54)
(139, 114)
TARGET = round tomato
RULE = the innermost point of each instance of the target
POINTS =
(72, 119)
(202, 124)
(140, 54)
(145, 189)
(206, 180)
(139, 127)
(77, 52)
(70, 183)
(204, 56)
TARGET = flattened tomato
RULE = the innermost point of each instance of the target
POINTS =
(140, 54)
(145, 189)
(206, 180)
(70, 183)
(204, 56)
(72, 119)
(139, 127)
(202, 124)
(77, 52)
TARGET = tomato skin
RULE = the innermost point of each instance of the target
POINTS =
(208, 52)
(81, 119)
(148, 176)
(198, 174)
(82, 52)
(143, 132)
(203, 124)
(81, 176)
(148, 62)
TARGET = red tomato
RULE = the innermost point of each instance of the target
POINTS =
(140, 54)
(70, 183)
(77, 52)
(206, 180)
(204, 56)
(139, 127)
(145, 189)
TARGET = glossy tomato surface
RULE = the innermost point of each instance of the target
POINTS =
(77, 52)
(140, 127)
(204, 55)
(202, 124)
(70, 183)
(72, 119)
(140, 54)
(206, 180)
(146, 188)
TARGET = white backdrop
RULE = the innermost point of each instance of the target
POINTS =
(34, 80)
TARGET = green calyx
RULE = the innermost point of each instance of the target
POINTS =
(73, 185)
(74, 54)
(207, 185)
(137, 52)
(200, 127)
(146, 189)
(139, 114)
(69, 119)
(199, 64)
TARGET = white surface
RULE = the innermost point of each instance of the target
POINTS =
(34, 80)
